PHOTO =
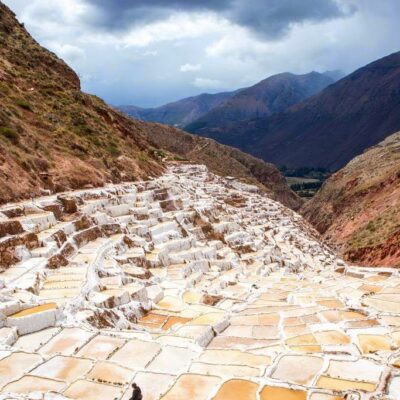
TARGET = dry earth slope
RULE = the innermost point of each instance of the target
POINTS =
(53, 136)
(358, 208)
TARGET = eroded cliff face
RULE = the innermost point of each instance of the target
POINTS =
(53, 137)
(358, 208)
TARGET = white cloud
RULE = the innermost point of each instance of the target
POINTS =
(140, 64)
(207, 83)
(67, 51)
(190, 67)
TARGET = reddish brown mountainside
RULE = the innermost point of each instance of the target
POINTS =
(54, 136)
(270, 96)
(358, 208)
(329, 128)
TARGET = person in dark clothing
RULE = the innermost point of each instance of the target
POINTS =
(137, 393)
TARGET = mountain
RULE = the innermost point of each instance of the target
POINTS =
(181, 112)
(270, 96)
(358, 207)
(55, 137)
(330, 128)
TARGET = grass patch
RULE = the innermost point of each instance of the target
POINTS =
(24, 104)
(143, 157)
(113, 149)
(9, 134)
(179, 158)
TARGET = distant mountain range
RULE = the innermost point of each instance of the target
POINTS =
(181, 112)
(270, 96)
(328, 129)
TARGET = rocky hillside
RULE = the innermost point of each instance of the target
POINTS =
(358, 208)
(270, 96)
(53, 136)
(181, 112)
(330, 128)
(224, 160)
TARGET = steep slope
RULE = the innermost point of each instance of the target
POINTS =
(358, 208)
(270, 96)
(332, 127)
(53, 136)
(225, 161)
(181, 112)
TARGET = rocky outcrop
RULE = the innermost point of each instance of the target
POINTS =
(358, 208)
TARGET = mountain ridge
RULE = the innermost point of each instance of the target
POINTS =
(331, 127)
(269, 96)
(181, 112)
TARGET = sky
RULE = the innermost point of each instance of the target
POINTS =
(150, 52)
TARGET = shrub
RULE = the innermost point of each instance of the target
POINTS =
(143, 157)
(9, 134)
(112, 148)
(24, 104)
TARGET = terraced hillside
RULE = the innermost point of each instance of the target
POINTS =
(54, 137)
(188, 286)
(358, 208)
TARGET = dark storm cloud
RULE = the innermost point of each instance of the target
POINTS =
(122, 14)
(273, 18)
(270, 18)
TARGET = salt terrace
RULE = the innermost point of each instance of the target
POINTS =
(193, 287)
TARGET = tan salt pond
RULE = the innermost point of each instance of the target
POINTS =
(153, 320)
(171, 303)
(34, 310)
(100, 347)
(172, 321)
(136, 354)
(373, 343)
(33, 341)
(111, 373)
(279, 393)
(15, 365)
(298, 369)
(150, 391)
(193, 387)
(238, 371)
(179, 357)
(234, 357)
(306, 349)
(331, 338)
(86, 390)
(29, 384)
(237, 389)
(302, 340)
(326, 382)
(67, 341)
(63, 368)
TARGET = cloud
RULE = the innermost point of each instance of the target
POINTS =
(207, 83)
(236, 42)
(270, 18)
(121, 15)
(67, 51)
(190, 67)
